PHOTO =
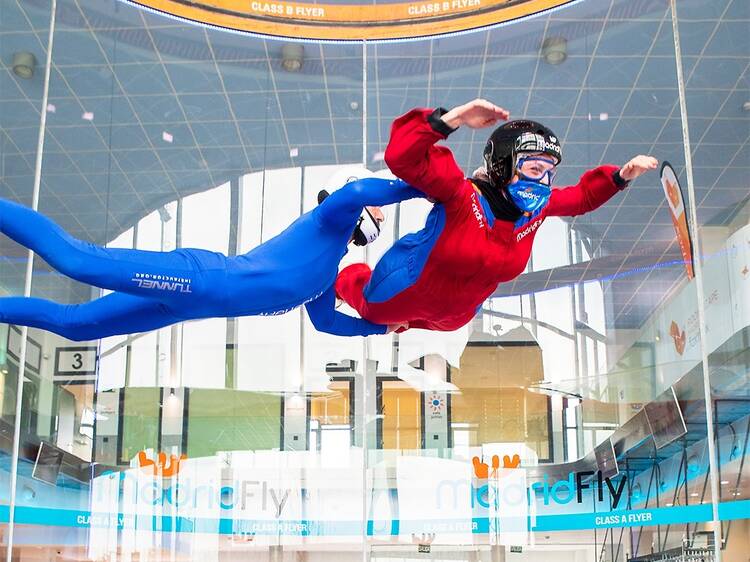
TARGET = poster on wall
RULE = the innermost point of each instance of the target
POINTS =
(33, 349)
(676, 204)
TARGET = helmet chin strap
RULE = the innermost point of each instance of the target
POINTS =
(367, 230)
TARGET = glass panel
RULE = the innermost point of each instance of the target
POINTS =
(400, 406)
(174, 142)
(334, 407)
(571, 366)
(140, 425)
(565, 418)
(218, 420)
(24, 36)
(495, 401)
(715, 47)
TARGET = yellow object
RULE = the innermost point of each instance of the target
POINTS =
(352, 21)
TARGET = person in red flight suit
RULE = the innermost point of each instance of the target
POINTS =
(480, 230)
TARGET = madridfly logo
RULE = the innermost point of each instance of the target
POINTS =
(514, 493)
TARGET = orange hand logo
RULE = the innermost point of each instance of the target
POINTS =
(678, 337)
(515, 462)
(482, 470)
(159, 467)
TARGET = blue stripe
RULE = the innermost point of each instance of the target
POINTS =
(624, 518)
(478, 525)
(734, 510)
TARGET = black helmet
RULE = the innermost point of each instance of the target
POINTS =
(512, 138)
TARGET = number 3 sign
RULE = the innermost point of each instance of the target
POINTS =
(75, 363)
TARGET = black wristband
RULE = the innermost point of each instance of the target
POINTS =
(620, 182)
(437, 124)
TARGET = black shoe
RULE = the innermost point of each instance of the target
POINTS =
(322, 194)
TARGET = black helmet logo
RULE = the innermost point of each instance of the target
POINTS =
(534, 142)
(513, 138)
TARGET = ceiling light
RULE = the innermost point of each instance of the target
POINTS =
(555, 50)
(87, 116)
(166, 137)
(292, 55)
(51, 108)
(694, 495)
(293, 152)
(724, 482)
(746, 106)
(603, 116)
(23, 64)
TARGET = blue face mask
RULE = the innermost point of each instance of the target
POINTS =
(529, 196)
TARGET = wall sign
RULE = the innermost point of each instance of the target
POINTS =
(75, 364)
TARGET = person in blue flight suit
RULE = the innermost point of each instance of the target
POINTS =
(156, 289)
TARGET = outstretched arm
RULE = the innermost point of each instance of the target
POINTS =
(597, 186)
(325, 318)
(354, 196)
(593, 190)
(411, 153)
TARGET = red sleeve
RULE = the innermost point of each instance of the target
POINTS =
(411, 155)
(593, 190)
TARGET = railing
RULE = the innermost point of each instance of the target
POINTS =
(683, 554)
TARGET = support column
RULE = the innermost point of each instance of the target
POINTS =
(295, 422)
(497, 553)
(172, 416)
(435, 412)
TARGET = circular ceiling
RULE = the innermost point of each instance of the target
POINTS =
(351, 20)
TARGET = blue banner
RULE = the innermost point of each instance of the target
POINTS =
(480, 525)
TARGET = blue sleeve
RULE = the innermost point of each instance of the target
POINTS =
(325, 318)
(354, 196)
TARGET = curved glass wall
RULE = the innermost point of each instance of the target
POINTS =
(24, 38)
(569, 419)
